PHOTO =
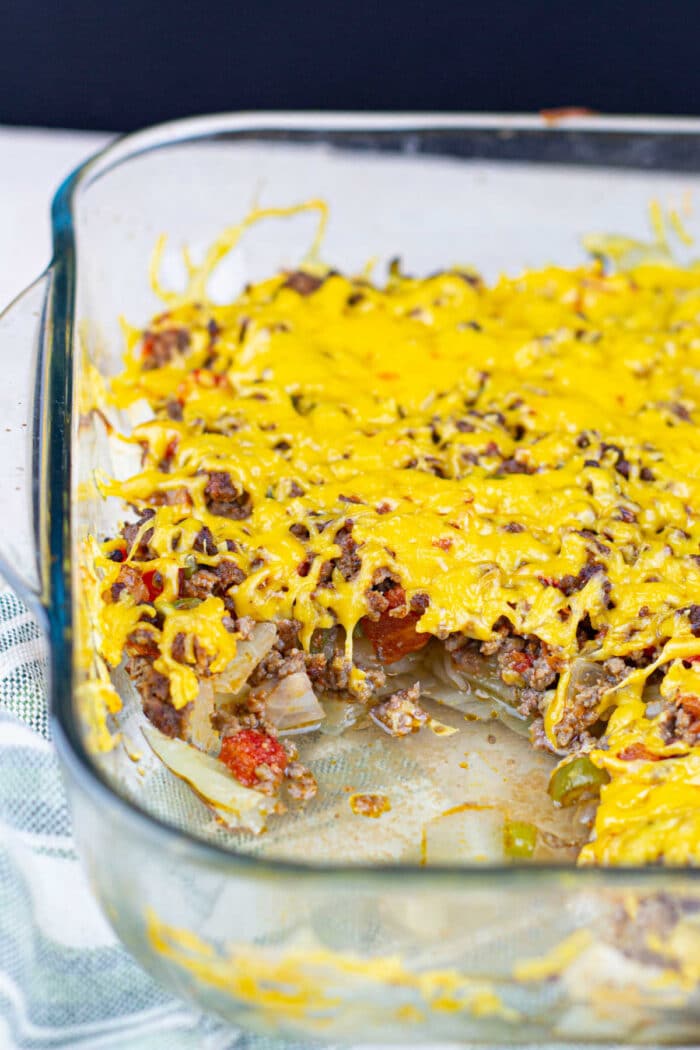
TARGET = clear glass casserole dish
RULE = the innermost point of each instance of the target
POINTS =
(335, 941)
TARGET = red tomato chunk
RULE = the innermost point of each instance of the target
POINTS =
(247, 751)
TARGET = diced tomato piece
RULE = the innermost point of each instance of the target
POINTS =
(443, 542)
(636, 751)
(171, 448)
(691, 704)
(393, 637)
(148, 345)
(520, 662)
(395, 597)
(245, 751)
(153, 582)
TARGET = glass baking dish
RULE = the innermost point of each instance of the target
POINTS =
(298, 944)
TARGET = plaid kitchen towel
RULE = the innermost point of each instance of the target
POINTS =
(65, 981)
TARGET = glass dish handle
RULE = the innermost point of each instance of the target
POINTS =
(23, 353)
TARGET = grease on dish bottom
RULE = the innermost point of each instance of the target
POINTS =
(455, 793)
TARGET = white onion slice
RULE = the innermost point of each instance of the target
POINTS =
(459, 689)
(199, 730)
(465, 835)
(249, 653)
(584, 675)
(292, 706)
(341, 715)
(238, 807)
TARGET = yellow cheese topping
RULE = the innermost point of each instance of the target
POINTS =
(524, 452)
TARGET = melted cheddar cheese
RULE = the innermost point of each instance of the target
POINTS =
(482, 444)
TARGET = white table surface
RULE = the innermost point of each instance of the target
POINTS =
(33, 163)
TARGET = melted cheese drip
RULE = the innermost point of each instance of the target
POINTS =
(481, 443)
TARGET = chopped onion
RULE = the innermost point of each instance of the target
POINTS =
(292, 706)
(199, 730)
(459, 689)
(451, 673)
(584, 674)
(486, 682)
(465, 835)
(238, 807)
(341, 715)
(249, 653)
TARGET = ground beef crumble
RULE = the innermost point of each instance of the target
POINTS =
(303, 283)
(139, 551)
(129, 580)
(154, 689)
(225, 499)
(159, 348)
(680, 721)
(581, 712)
(401, 714)
(300, 782)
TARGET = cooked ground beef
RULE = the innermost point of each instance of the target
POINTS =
(216, 580)
(179, 496)
(303, 283)
(200, 584)
(401, 714)
(287, 634)
(526, 664)
(129, 580)
(349, 563)
(174, 411)
(532, 702)
(538, 737)
(581, 710)
(159, 348)
(531, 670)
(383, 581)
(333, 675)
(179, 648)
(275, 666)
(154, 689)
(204, 542)
(195, 654)
(569, 584)
(300, 531)
(515, 466)
(164, 716)
(419, 603)
(300, 781)
(142, 552)
(681, 721)
(225, 499)
(142, 642)
(248, 713)
(229, 574)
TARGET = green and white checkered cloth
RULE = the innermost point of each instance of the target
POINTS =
(65, 981)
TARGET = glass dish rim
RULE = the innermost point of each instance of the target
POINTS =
(58, 449)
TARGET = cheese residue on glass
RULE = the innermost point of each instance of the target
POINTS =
(485, 444)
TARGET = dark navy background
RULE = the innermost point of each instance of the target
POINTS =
(119, 64)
